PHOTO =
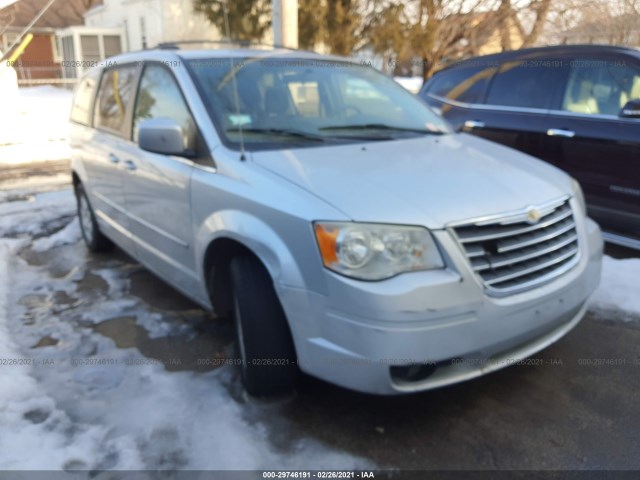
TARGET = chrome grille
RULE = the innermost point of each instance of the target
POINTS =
(511, 254)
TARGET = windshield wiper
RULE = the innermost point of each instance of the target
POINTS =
(382, 126)
(279, 131)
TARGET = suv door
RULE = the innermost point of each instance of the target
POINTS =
(518, 102)
(594, 144)
(111, 119)
(157, 187)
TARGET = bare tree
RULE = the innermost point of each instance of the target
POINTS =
(385, 32)
(614, 22)
(311, 14)
(440, 31)
(343, 22)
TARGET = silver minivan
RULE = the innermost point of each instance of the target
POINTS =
(349, 232)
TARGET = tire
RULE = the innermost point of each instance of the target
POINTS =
(263, 338)
(93, 237)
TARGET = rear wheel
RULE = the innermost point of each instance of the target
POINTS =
(263, 337)
(93, 237)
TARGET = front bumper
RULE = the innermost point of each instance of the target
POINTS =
(355, 334)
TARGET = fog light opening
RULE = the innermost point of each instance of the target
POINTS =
(414, 372)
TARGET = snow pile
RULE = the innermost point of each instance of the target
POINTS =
(123, 411)
(36, 214)
(35, 433)
(37, 128)
(619, 288)
(69, 234)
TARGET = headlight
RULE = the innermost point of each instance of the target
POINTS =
(579, 196)
(369, 251)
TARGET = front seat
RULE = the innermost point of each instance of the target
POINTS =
(580, 98)
(634, 92)
(277, 102)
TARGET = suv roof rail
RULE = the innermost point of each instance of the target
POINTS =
(177, 45)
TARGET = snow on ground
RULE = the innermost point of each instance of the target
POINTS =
(619, 289)
(36, 129)
(413, 84)
(71, 398)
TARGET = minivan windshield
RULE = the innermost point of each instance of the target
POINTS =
(302, 102)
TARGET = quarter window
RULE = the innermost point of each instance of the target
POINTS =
(83, 98)
(114, 98)
(526, 83)
(159, 97)
(600, 87)
(463, 84)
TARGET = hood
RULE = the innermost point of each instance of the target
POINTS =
(430, 181)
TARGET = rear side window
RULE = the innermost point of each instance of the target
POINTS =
(601, 87)
(114, 99)
(82, 107)
(527, 83)
(462, 84)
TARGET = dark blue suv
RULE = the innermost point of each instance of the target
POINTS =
(575, 106)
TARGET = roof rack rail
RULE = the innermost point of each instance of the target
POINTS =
(176, 45)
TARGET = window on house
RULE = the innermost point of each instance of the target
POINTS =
(55, 47)
(90, 47)
(112, 45)
(68, 53)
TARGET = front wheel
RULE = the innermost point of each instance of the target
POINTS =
(263, 337)
(93, 237)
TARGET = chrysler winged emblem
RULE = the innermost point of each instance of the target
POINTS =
(533, 215)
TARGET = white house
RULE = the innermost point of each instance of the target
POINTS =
(145, 23)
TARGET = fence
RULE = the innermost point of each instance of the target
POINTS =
(42, 74)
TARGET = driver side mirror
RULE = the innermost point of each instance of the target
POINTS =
(631, 109)
(166, 136)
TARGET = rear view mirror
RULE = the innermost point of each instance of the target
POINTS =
(165, 136)
(631, 109)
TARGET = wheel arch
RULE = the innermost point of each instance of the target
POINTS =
(230, 233)
(217, 275)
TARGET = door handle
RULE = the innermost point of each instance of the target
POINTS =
(471, 124)
(113, 158)
(559, 132)
(130, 165)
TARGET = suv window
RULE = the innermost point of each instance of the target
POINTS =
(114, 98)
(83, 98)
(600, 86)
(526, 83)
(307, 102)
(463, 84)
(159, 96)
